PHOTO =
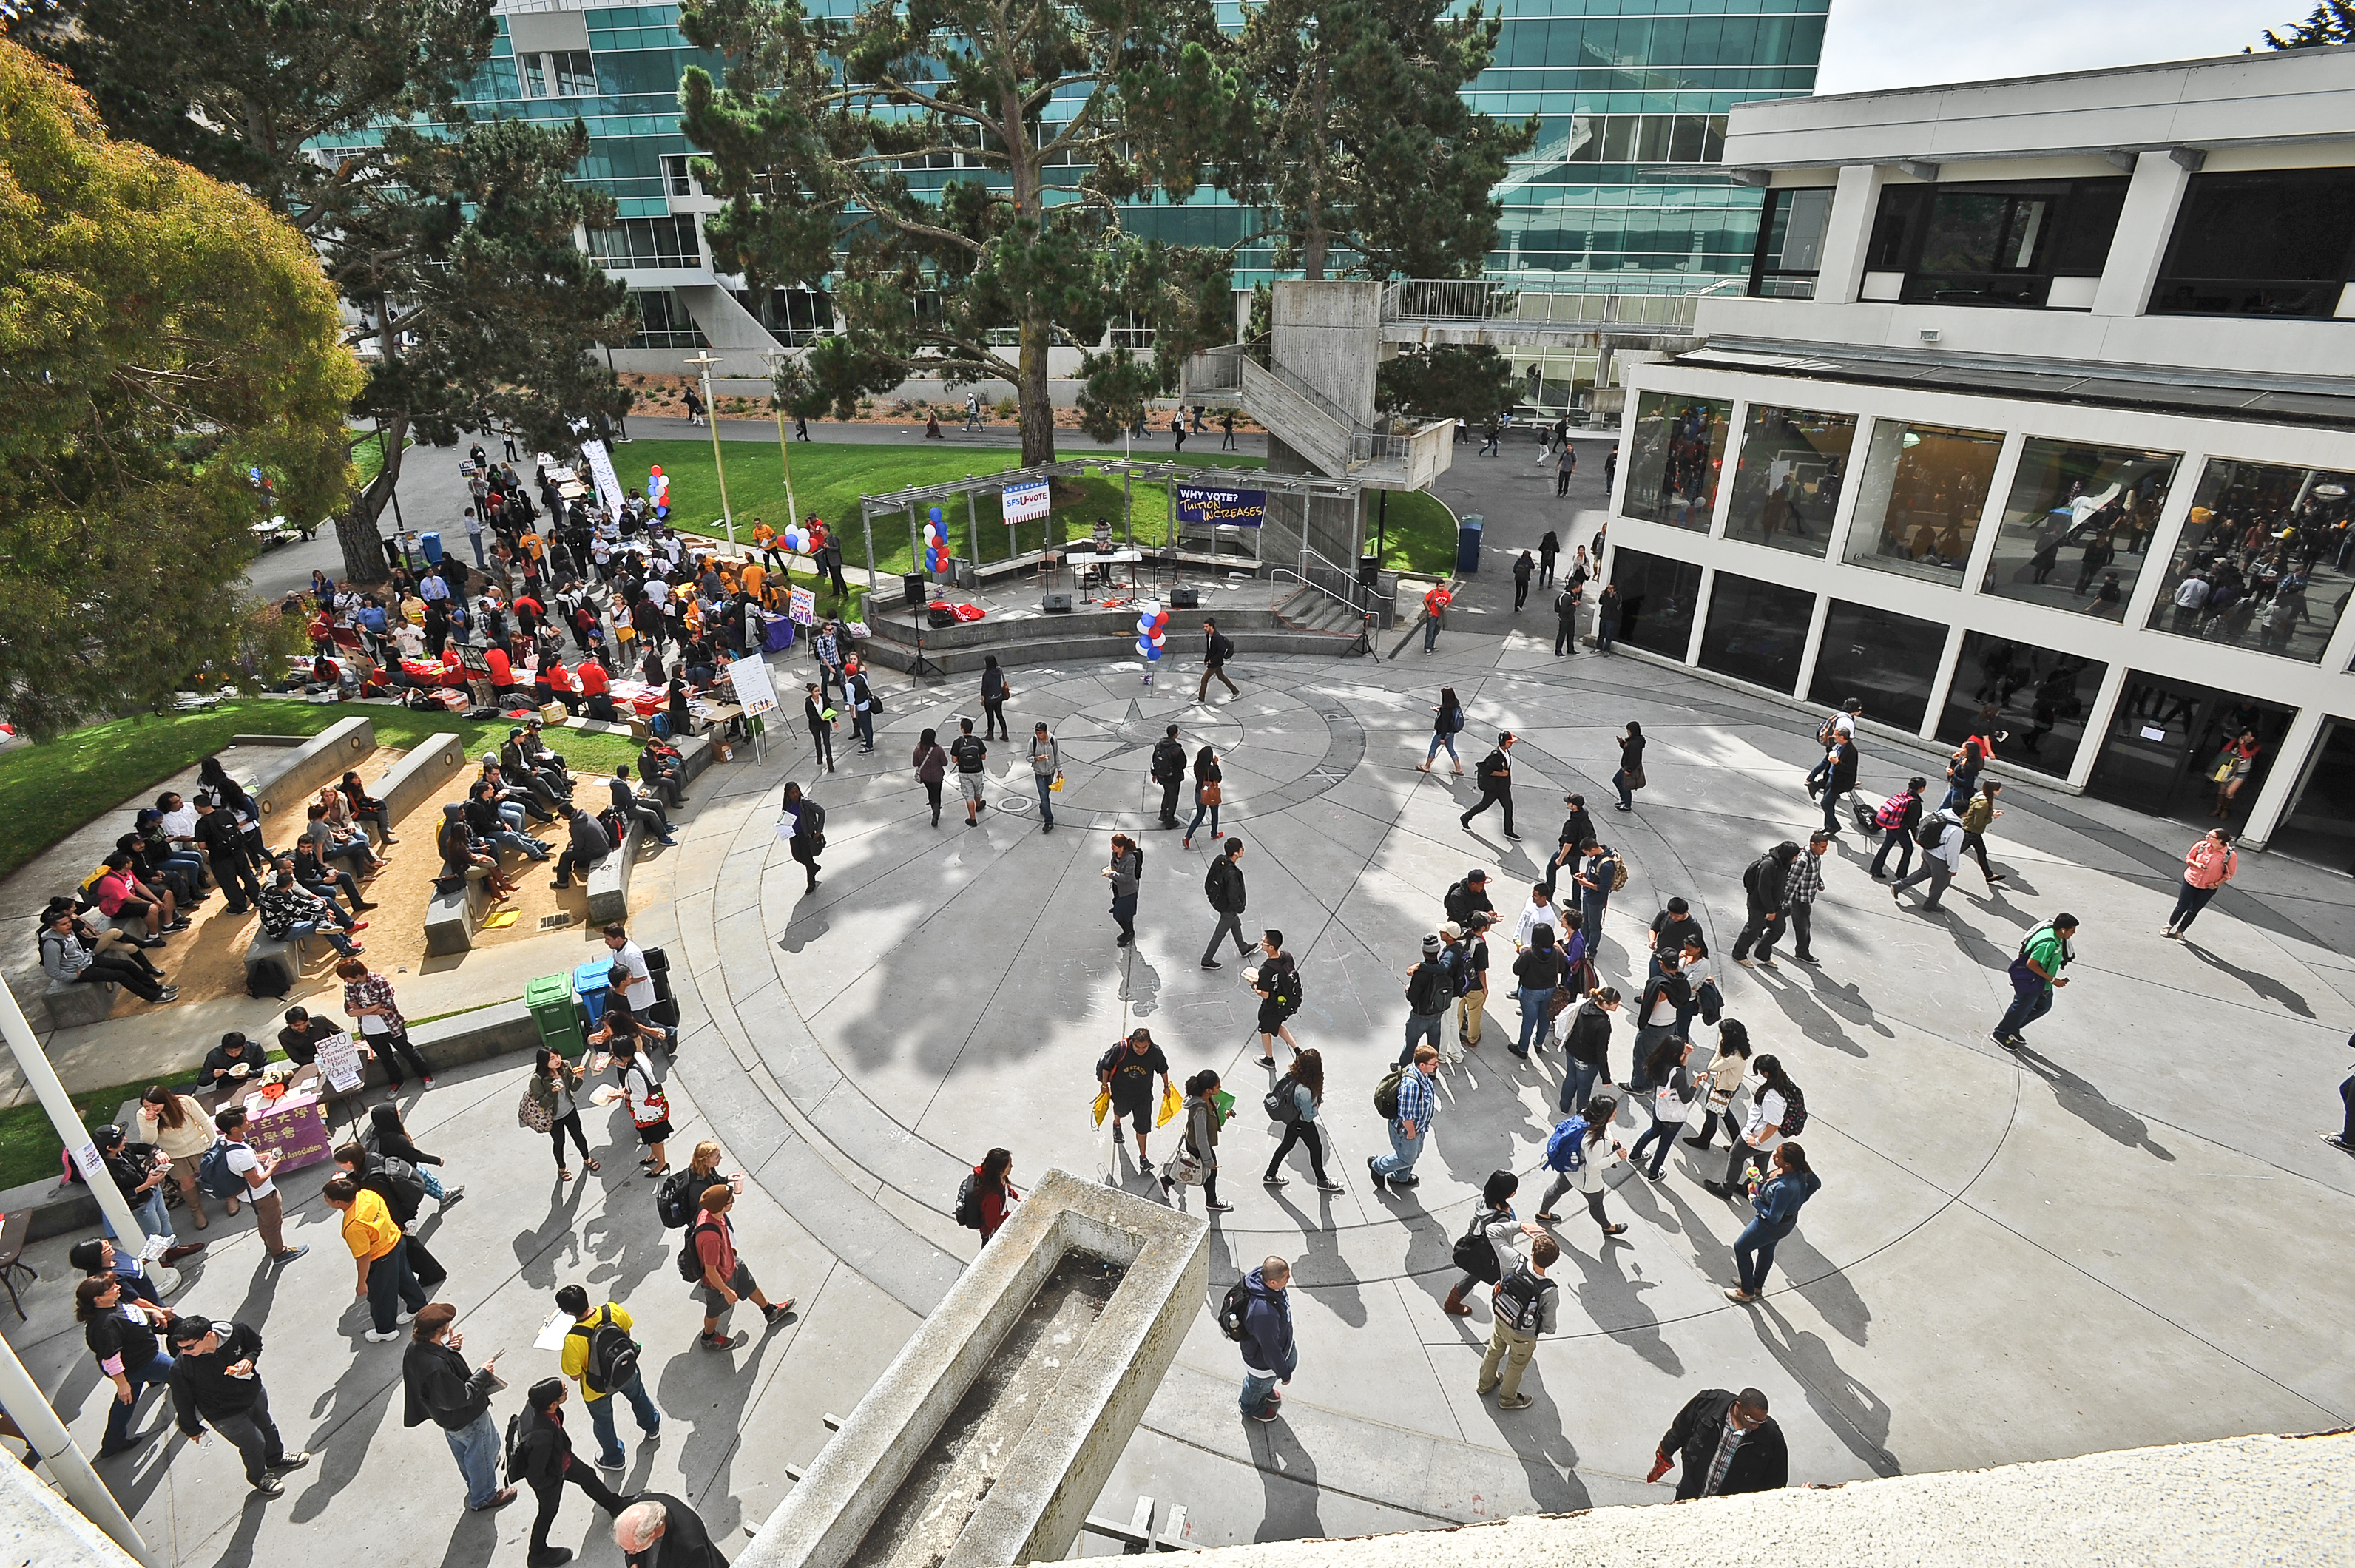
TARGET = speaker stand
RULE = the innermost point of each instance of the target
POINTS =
(923, 667)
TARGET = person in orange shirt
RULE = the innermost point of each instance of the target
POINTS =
(752, 577)
(381, 1251)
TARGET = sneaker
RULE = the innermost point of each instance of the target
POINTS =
(1406, 1180)
(777, 1313)
(450, 1195)
(386, 1337)
(1336, 1186)
(1740, 1296)
(497, 1499)
(428, 1080)
(1510, 833)
(1518, 1401)
(405, 1318)
(1218, 1208)
(1213, 964)
(293, 1461)
(2335, 1141)
(716, 1341)
(1274, 1181)
(1266, 1412)
(270, 1486)
(1119, 1131)
(1810, 959)
(614, 1466)
(1375, 1174)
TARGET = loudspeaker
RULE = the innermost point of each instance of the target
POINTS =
(912, 587)
(1185, 596)
(1056, 603)
(1370, 570)
(941, 616)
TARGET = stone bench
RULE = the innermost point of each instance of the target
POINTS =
(73, 1003)
(609, 881)
(284, 955)
(452, 919)
(419, 776)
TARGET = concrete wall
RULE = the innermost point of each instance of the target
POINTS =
(421, 776)
(38, 1528)
(284, 785)
(1329, 335)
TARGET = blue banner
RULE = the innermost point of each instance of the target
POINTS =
(1230, 509)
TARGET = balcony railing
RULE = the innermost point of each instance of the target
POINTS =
(1492, 301)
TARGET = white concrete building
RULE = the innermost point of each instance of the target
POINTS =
(2018, 362)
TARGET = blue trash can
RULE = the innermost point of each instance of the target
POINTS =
(589, 982)
(433, 545)
(1467, 544)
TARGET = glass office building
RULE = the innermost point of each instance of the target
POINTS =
(1631, 97)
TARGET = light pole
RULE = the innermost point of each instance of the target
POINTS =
(777, 358)
(704, 362)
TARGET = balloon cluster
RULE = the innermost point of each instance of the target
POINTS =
(798, 539)
(1152, 630)
(658, 491)
(936, 544)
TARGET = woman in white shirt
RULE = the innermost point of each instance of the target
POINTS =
(1764, 1129)
(1540, 911)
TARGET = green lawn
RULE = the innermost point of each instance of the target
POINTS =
(828, 480)
(29, 1147)
(47, 791)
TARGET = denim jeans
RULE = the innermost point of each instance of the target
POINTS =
(334, 933)
(1202, 809)
(1589, 908)
(1421, 1026)
(1258, 1385)
(1657, 1138)
(1447, 738)
(1577, 1085)
(1404, 1152)
(1046, 783)
(390, 1284)
(2029, 1003)
(2189, 901)
(1619, 782)
(1533, 1017)
(1648, 1039)
(1753, 1253)
(1430, 632)
(476, 1446)
(149, 1212)
(120, 1412)
(601, 1416)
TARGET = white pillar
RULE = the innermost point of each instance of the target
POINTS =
(1854, 201)
(2153, 195)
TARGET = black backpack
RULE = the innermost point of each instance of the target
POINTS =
(612, 1354)
(1932, 832)
(1520, 1301)
(1474, 1253)
(968, 1202)
(1430, 988)
(690, 1261)
(1282, 1107)
(1285, 988)
(511, 1452)
(1231, 1307)
(676, 1200)
(1795, 1113)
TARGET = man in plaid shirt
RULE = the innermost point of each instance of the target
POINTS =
(1411, 1128)
(1800, 886)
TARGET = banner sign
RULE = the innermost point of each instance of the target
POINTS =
(1228, 509)
(1026, 502)
(601, 469)
(800, 606)
(754, 689)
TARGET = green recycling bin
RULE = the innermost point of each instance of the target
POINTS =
(548, 1000)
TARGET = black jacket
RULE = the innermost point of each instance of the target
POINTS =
(129, 1165)
(202, 1389)
(1222, 884)
(1539, 969)
(1761, 1464)
(1168, 762)
(1844, 768)
(436, 1385)
(684, 1542)
(1588, 1039)
(546, 1449)
(301, 1045)
(1494, 772)
(1463, 901)
(1765, 890)
(590, 844)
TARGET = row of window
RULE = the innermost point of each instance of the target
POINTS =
(2261, 562)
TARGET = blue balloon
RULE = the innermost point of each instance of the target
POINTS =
(1144, 647)
(936, 514)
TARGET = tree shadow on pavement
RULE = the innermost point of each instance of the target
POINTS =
(1856, 1415)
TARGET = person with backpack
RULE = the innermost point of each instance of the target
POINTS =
(1841, 726)
(1576, 1154)
(1197, 1146)
(1490, 1248)
(1524, 568)
(1429, 989)
(1774, 1215)
(1963, 771)
(437, 1386)
(987, 1197)
(1601, 873)
(1447, 723)
(1126, 1072)
(1277, 984)
(1222, 884)
(1126, 873)
(1940, 838)
(1524, 1305)
(710, 1263)
(1577, 829)
(387, 1136)
(232, 1172)
(1406, 1101)
(539, 1454)
(1777, 1110)
(2035, 976)
(1762, 886)
(1494, 775)
(1839, 779)
(1294, 1101)
(1898, 816)
(1537, 971)
(1469, 965)
(1169, 771)
(802, 824)
(1468, 897)
(971, 754)
(396, 1181)
(1978, 818)
(1217, 649)
(601, 1358)
(1257, 1314)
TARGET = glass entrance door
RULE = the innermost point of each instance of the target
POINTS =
(2163, 744)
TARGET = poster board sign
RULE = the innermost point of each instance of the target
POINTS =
(754, 689)
(601, 469)
(339, 1061)
(1201, 508)
(1026, 502)
(800, 606)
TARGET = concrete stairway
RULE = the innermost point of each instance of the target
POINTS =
(1314, 426)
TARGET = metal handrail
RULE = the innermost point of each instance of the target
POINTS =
(1492, 300)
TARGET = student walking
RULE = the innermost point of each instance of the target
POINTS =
(1265, 1331)
(1978, 818)
(932, 765)
(822, 722)
(1296, 1097)
(1576, 1154)
(1126, 1072)
(1762, 889)
(1126, 873)
(437, 1386)
(723, 1278)
(969, 752)
(1548, 549)
(1217, 649)
(1429, 989)
(1565, 466)
(994, 693)
(1524, 568)
(1774, 1215)
(2035, 976)
(1197, 1146)
(1222, 884)
(649, 1106)
(214, 1385)
(1727, 1071)
(1586, 1047)
(1046, 773)
(1899, 816)
(1801, 887)
(1447, 723)
(1494, 775)
(1209, 793)
(544, 1454)
(1169, 773)
(1730, 1444)
(802, 824)
(1410, 1122)
(380, 1251)
(602, 1359)
(1471, 967)
(1277, 984)
(2206, 867)
(1630, 776)
(1672, 1096)
(1490, 1248)
(1941, 841)
(993, 1196)
(1839, 779)
(1524, 1306)
(1435, 611)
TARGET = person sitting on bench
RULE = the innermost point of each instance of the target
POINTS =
(121, 896)
(661, 770)
(67, 959)
(548, 764)
(589, 846)
(489, 821)
(352, 849)
(290, 914)
(320, 878)
(506, 793)
(462, 854)
(630, 802)
(596, 688)
(517, 769)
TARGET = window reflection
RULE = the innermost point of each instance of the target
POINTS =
(2263, 559)
(2077, 523)
(1922, 492)
(2031, 702)
(1657, 596)
(1756, 631)
(1787, 477)
(1674, 461)
(1889, 660)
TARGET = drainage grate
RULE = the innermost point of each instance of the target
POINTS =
(554, 922)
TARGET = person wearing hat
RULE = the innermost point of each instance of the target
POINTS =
(437, 1386)
(1430, 988)
(214, 1383)
(1469, 897)
(544, 1453)
(140, 1170)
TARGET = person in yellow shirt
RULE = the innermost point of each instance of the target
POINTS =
(588, 1362)
(381, 1251)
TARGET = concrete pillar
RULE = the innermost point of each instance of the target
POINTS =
(1855, 200)
(2153, 195)
(1328, 335)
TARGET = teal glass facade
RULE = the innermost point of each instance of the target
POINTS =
(1630, 95)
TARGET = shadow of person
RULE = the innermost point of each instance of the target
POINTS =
(1812, 1019)
(2265, 985)
(344, 1419)
(1287, 1478)
(555, 1243)
(1848, 1004)
(1140, 984)
(237, 1551)
(1826, 1285)
(1548, 1456)
(2089, 1105)
(1320, 1267)
(1856, 1415)
(1615, 1302)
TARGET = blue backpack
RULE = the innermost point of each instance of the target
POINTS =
(1566, 1148)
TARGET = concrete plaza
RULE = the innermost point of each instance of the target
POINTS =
(2127, 1236)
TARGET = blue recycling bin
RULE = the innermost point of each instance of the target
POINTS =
(589, 983)
(1467, 544)
(433, 546)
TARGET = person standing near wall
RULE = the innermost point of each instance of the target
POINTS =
(2206, 867)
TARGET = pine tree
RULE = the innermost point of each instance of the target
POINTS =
(2331, 22)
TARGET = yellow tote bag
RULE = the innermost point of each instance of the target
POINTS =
(1103, 1104)
(1172, 1102)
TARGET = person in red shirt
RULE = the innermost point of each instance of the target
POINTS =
(595, 685)
(502, 671)
(990, 1184)
(725, 1276)
(1434, 606)
(122, 895)
(559, 684)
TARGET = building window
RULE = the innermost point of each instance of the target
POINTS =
(2268, 242)
(535, 75)
(1790, 243)
(1788, 478)
(663, 322)
(1889, 660)
(678, 178)
(1756, 631)
(1995, 243)
(643, 242)
(2031, 702)
(2263, 559)
(2078, 522)
(1674, 462)
(1921, 497)
(1657, 596)
(576, 74)
(792, 317)
(2319, 826)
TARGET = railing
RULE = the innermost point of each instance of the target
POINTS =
(1302, 419)
(1216, 370)
(1439, 300)
(1367, 448)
